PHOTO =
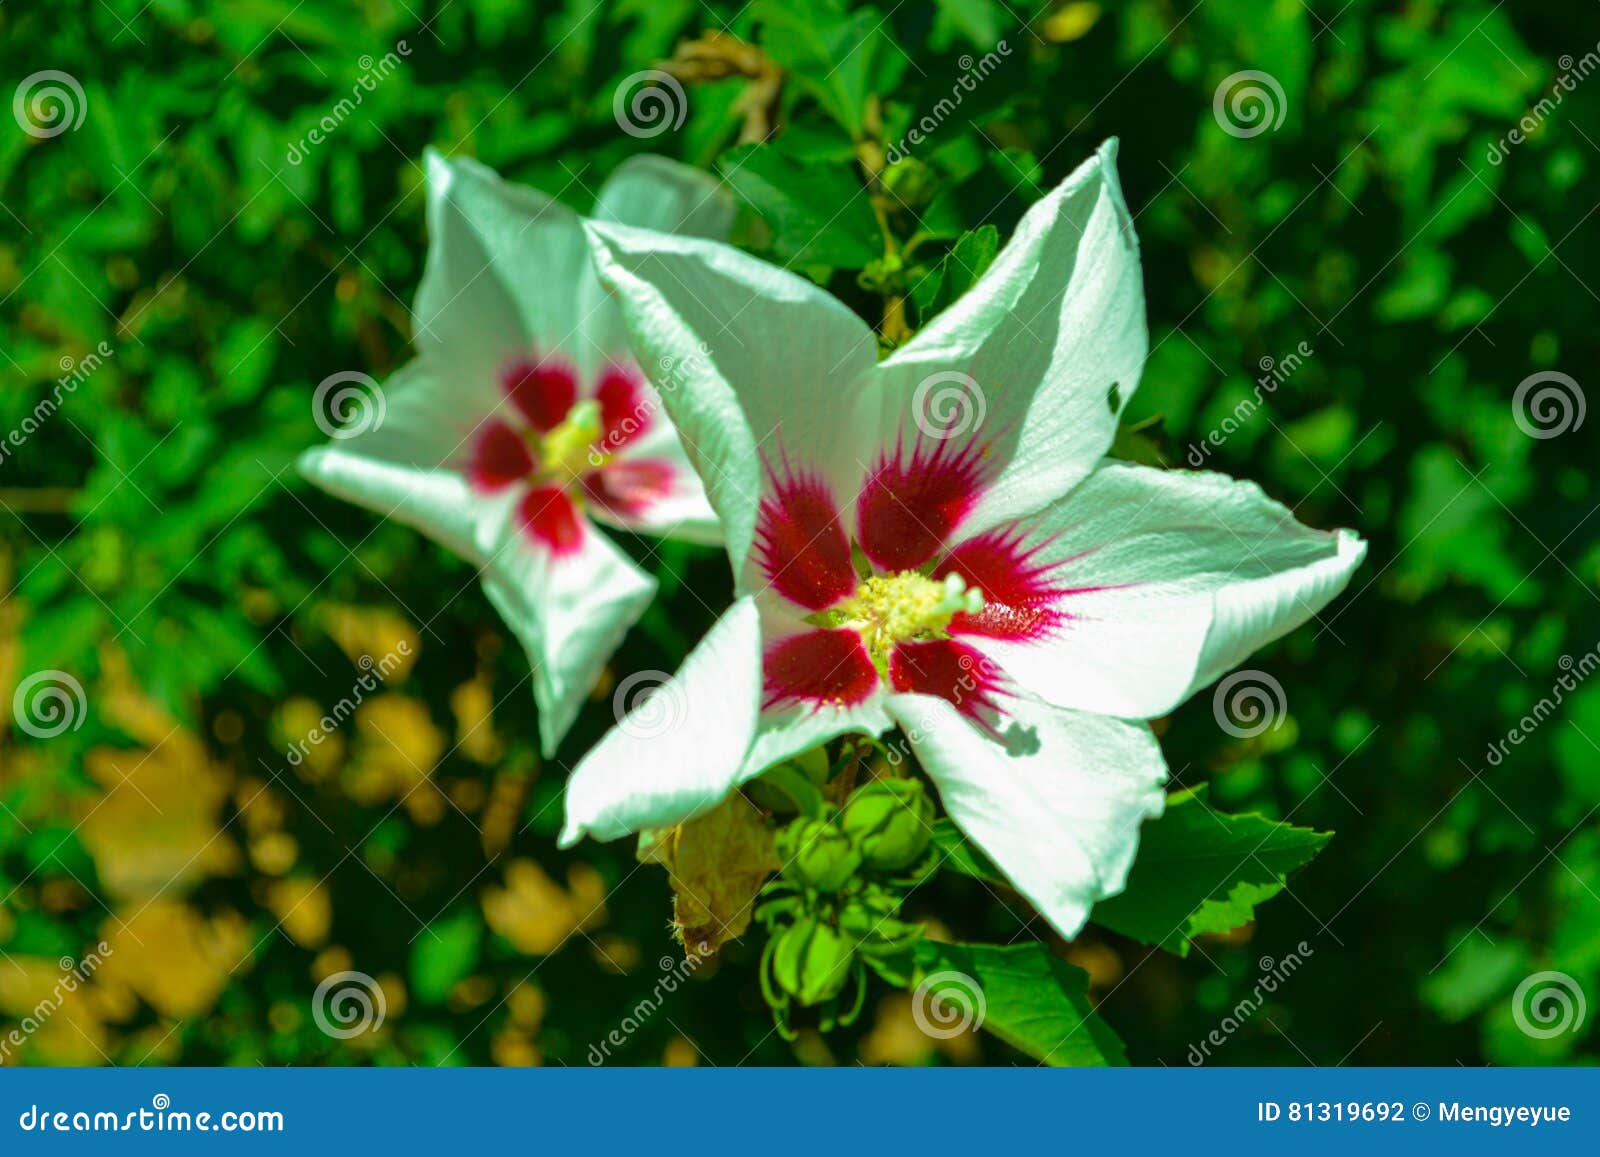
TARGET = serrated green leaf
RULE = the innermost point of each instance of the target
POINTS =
(1202, 871)
(1027, 997)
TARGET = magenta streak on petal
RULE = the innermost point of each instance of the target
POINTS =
(543, 390)
(627, 410)
(550, 520)
(800, 542)
(818, 667)
(631, 486)
(954, 671)
(908, 509)
(1021, 601)
(500, 457)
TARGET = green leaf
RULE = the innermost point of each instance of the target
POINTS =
(959, 855)
(840, 58)
(1202, 871)
(980, 21)
(819, 215)
(1025, 995)
(958, 272)
(444, 953)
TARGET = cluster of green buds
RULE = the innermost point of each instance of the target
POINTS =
(833, 913)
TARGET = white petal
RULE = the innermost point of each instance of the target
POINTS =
(407, 467)
(681, 512)
(1056, 803)
(1042, 336)
(679, 753)
(569, 613)
(650, 192)
(684, 512)
(786, 733)
(1195, 572)
(751, 361)
(465, 310)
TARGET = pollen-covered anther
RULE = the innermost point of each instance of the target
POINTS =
(568, 452)
(886, 610)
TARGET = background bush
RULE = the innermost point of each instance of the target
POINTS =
(157, 546)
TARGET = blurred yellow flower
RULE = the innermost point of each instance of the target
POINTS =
(536, 914)
(303, 907)
(157, 826)
(379, 635)
(175, 959)
(57, 1011)
(1071, 22)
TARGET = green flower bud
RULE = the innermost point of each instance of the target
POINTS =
(891, 821)
(816, 854)
(811, 961)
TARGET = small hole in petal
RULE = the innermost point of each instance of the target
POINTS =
(1114, 397)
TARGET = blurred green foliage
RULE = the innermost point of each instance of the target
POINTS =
(157, 547)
